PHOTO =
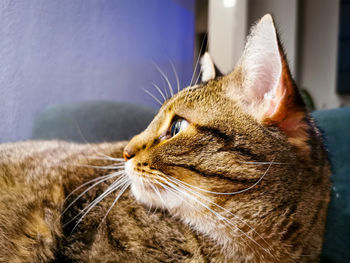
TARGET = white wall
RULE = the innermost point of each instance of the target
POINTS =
(308, 30)
(226, 31)
(229, 26)
(285, 17)
(318, 52)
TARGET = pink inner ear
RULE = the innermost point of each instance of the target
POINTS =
(274, 101)
(271, 108)
(281, 109)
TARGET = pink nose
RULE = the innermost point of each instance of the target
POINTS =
(128, 154)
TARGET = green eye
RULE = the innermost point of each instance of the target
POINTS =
(177, 126)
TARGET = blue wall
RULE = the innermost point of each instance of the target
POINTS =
(53, 52)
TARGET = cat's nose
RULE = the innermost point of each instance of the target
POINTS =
(128, 153)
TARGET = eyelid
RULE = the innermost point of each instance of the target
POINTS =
(164, 136)
(167, 134)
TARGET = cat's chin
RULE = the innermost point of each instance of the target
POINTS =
(148, 195)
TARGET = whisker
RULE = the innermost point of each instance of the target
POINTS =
(157, 193)
(160, 91)
(154, 211)
(175, 187)
(262, 163)
(223, 193)
(143, 187)
(197, 62)
(176, 76)
(88, 143)
(108, 167)
(154, 97)
(122, 177)
(116, 199)
(220, 217)
(106, 157)
(225, 210)
(113, 187)
(104, 178)
(165, 89)
(149, 209)
(165, 78)
(88, 182)
(197, 79)
(173, 191)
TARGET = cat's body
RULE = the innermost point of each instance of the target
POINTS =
(35, 179)
(235, 167)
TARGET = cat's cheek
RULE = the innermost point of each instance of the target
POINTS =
(139, 192)
(163, 199)
(135, 181)
(136, 192)
(129, 170)
(151, 199)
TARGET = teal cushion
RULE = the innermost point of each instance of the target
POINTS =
(92, 121)
(335, 125)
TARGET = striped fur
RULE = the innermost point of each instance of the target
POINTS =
(247, 180)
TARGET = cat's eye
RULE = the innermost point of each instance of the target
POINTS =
(177, 126)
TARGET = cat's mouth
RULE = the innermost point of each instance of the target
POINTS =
(149, 189)
(136, 176)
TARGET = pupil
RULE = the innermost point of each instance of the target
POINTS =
(176, 128)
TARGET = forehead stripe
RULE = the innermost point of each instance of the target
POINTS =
(215, 132)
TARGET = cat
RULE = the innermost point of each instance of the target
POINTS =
(230, 170)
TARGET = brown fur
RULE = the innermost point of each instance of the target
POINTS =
(225, 148)
(36, 177)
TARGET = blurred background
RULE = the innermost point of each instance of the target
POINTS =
(78, 70)
(59, 52)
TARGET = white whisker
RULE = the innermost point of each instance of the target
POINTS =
(261, 163)
(165, 78)
(157, 193)
(223, 193)
(127, 184)
(175, 187)
(221, 218)
(197, 79)
(227, 211)
(99, 180)
(108, 158)
(197, 62)
(114, 186)
(217, 215)
(86, 183)
(87, 209)
(154, 97)
(173, 191)
(105, 167)
(88, 143)
(165, 89)
(176, 76)
(160, 91)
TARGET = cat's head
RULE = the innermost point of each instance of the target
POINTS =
(227, 141)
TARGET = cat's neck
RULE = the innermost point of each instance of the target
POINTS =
(236, 243)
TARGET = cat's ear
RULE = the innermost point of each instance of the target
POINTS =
(267, 89)
(208, 69)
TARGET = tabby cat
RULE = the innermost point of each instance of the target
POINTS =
(230, 170)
